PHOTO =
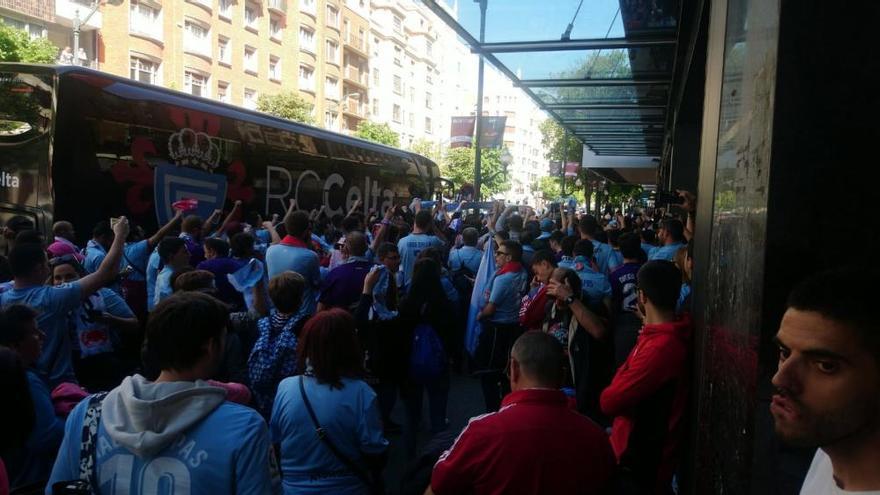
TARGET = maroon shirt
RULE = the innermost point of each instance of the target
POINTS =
(534, 444)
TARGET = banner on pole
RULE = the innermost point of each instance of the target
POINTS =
(571, 169)
(555, 168)
(461, 132)
(492, 132)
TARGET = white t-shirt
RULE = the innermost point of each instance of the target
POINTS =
(820, 479)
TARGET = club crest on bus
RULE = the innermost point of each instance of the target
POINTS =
(189, 148)
(173, 184)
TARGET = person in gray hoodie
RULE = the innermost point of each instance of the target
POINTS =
(177, 432)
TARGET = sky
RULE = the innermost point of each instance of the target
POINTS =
(538, 20)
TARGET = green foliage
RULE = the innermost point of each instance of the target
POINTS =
(553, 138)
(458, 165)
(289, 105)
(17, 46)
(623, 193)
(427, 149)
(551, 187)
(379, 133)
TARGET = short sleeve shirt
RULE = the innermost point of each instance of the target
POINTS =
(506, 294)
(137, 254)
(280, 258)
(53, 305)
(594, 284)
(409, 248)
(665, 252)
(468, 257)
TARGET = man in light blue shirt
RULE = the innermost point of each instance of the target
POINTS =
(594, 285)
(413, 244)
(175, 257)
(98, 245)
(647, 237)
(30, 271)
(203, 444)
(468, 256)
(601, 251)
(671, 237)
(293, 253)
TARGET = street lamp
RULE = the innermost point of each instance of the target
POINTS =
(77, 27)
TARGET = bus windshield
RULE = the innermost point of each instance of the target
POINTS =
(25, 106)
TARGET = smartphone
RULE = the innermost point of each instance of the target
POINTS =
(668, 197)
(114, 221)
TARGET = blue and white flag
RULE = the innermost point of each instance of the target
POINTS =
(480, 296)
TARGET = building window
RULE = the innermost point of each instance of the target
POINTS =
(274, 27)
(398, 24)
(375, 106)
(226, 9)
(250, 59)
(306, 78)
(224, 54)
(331, 88)
(398, 53)
(398, 86)
(196, 38)
(428, 128)
(330, 120)
(395, 113)
(143, 70)
(428, 100)
(145, 20)
(308, 6)
(251, 16)
(412, 95)
(428, 78)
(275, 68)
(332, 16)
(250, 99)
(412, 121)
(332, 52)
(429, 48)
(376, 77)
(306, 39)
(195, 83)
(223, 91)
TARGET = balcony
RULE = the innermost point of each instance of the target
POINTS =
(357, 43)
(354, 107)
(66, 11)
(279, 6)
(197, 46)
(354, 75)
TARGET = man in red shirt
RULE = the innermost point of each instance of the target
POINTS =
(534, 443)
(648, 395)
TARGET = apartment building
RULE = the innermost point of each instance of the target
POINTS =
(53, 19)
(231, 50)
(355, 63)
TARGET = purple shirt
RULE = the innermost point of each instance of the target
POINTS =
(624, 296)
(343, 285)
(221, 267)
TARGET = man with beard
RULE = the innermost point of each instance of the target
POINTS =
(828, 381)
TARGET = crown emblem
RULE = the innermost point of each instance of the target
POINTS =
(189, 148)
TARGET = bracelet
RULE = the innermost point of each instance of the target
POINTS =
(385, 222)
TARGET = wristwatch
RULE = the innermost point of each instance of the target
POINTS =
(569, 299)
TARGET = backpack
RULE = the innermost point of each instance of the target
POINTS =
(427, 359)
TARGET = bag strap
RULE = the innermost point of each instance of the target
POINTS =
(136, 268)
(322, 435)
(88, 462)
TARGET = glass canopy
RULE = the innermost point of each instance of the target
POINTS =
(601, 68)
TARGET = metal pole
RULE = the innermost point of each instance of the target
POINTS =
(77, 25)
(478, 128)
(564, 160)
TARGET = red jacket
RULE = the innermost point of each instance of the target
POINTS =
(647, 399)
(534, 444)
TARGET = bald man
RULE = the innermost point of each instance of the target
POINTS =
(343, 285)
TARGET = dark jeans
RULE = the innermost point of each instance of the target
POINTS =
(495, 386)
(386, 392)
(493, 351)
(413, 394)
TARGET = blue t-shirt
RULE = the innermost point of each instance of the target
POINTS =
(665, 252)
(152, 275)
(506, 293)
(95, 254)
(683, 296)
(566, 262)
(52, 305)
(615, 259)
(280, 258)
(647, 248)
(33, 463)
(351, 418)
(601, 253)
(137, 255)
(594, 284)
(466, 256)
(226, 452)
(94, 337)
(409, 248)
(163, 285)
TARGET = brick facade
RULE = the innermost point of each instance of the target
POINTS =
(40, 9)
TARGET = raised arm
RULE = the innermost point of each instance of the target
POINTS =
(383, 230)
(211, 223)
(232, 214)
(690, 206)
(354, 207)
(585, 318)
(270, 227)
(160, 234)
(109, 268)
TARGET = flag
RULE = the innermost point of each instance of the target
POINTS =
(571, 169)
(480, 296)
(555, 168)
(461, 132)
(492, 132)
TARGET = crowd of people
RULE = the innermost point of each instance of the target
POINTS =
(266, 356)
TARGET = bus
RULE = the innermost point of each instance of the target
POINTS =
(82, 145)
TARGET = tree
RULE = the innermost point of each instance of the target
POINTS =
(378, 133)
(428, 149)
(551, 187)
(289, 105)
(458, 165)
(17, 46)
(553, 138)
